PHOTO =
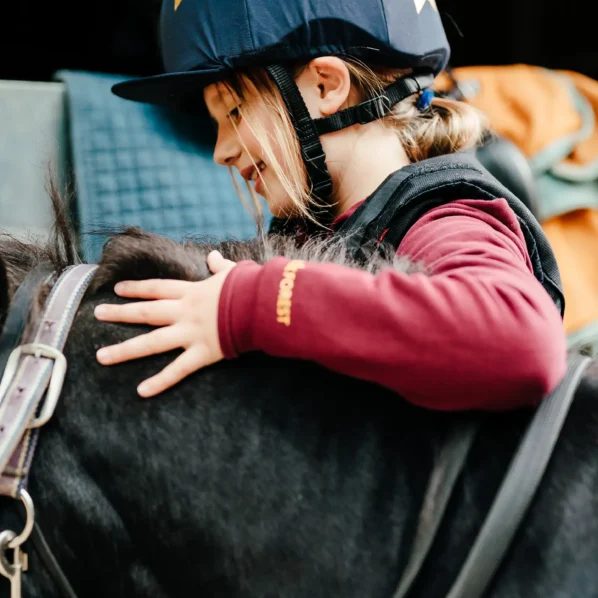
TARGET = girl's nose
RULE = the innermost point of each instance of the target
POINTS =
(227, 150)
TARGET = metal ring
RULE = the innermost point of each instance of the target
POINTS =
(30, 510)
(6, 569)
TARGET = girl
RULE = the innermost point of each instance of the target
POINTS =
(325, 108)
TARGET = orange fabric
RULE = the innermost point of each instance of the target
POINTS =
(574, 240)
(532, 108)
(522, 102)
(529, 106)
(586, 151)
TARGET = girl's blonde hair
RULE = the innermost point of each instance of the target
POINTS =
(445, 127)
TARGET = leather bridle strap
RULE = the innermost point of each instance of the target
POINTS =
(19, 310)
(29, 371)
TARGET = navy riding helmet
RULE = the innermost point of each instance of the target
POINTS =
(204, 40)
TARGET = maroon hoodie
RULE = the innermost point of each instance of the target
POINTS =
(477, 330)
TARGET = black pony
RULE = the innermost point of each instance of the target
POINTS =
(262, 477)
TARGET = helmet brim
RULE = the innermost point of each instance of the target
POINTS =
(173, 90)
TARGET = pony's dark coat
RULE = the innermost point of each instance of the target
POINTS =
(264, 477)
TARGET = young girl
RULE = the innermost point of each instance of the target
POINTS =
(325, 108)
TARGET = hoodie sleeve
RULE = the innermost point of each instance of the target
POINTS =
(475, 331)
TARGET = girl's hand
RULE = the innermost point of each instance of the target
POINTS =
(187, 314)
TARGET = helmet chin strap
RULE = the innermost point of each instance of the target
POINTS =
(307, 134)
(309, 130)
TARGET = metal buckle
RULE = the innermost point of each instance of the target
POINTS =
(56, 380)
(27, 501)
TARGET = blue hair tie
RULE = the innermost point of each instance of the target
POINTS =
(425, 99)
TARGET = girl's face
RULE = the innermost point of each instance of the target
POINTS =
(237, 145)
(358, 158)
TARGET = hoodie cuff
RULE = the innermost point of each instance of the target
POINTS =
(236, 307)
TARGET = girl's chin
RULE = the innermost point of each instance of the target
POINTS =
(276, 199)
(280, 209)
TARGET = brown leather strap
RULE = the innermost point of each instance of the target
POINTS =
(31, 368)
(20, 306)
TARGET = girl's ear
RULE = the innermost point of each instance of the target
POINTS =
(330, 81)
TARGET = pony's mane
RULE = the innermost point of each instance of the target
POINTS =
(131, 253)
(21, 255)
(136, 254)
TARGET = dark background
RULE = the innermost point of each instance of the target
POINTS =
(38, 37)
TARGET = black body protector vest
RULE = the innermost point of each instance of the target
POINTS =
(407, 194)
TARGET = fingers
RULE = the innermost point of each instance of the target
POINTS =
(155, 313)
(153, 288)
(184, 365)
(216, 263)
(157, 341)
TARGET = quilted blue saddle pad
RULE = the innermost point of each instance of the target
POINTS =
(141, 165)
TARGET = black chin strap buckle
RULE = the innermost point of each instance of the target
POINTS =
(373, 109)
(315, 161)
